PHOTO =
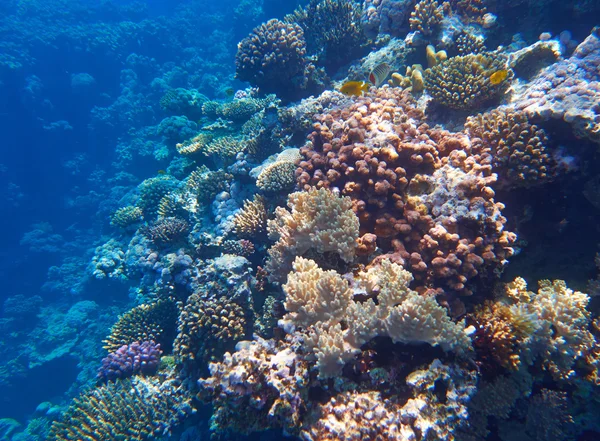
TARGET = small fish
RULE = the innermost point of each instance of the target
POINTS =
(229, 92)
(498, 77)
(379, 74)
(354, 88)
(162, 172)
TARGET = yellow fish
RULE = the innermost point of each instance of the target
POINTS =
(498, 77)
(354, 88)
(162, 172)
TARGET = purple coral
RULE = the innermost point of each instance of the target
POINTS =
(136, 358)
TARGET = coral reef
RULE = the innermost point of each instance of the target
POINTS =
(251, 221)
(420, 190)
(133, 409)
(148, 322)
(166, 231)
(386, 16)
(426, 17)
(273, 57)
(278, 176)
(518, 149)
(463, 82)
(319, 221)
(136, 358)
(126, 217)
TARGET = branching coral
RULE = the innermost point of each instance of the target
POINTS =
(332, 30)
(128, 360)
(318, 220)
(126, 217)
(167, 231)
(322, 303)
(136, 409)
(517, 148)
(463, 82)
(225, 148)
(151, 191)
(427, 16)
(251, 221)
(273, 57)
(148, 322)
(207, 328)
(420, 190)
(195, 145)
(205, 184)
(278, 176)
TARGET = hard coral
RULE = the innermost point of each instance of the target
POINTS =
(167, 231)
(420, 190)
(427, 16)
(135, 358)
(517, 148)
(207, 328)
(273, 57)
(277, 177)
(332, 30)
(251, 220)
(148, 322)
(318, 221)
(134, 409)
(126, 217)
(463, 82)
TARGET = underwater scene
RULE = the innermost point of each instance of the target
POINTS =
(304, 220)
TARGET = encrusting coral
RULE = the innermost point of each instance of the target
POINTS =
(135, 409)
(148, 322)
(319, 221)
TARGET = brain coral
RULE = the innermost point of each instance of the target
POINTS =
(419, 189)
(463, 82)
(132, 409)
(273, 57)
(318, 220)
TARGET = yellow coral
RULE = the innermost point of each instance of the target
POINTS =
(251, 221)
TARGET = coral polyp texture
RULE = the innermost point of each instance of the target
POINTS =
(464, 82)
(167, 231)
(318, 221)
(148, 322)
(273, 57)
(132, 409)
(136, 358)
(421, 190)
(251, 221)
(518, 149)
(426, 17)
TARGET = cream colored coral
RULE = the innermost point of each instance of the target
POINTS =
(336, 326)
(317, 220)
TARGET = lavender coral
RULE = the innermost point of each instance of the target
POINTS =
(128, 360)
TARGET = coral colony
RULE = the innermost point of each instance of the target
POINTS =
(328, 257)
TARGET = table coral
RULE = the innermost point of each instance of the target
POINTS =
(463, 82)
(420, 190)
(132, 409)
(318, 220)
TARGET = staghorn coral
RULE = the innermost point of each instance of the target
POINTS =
(273, 57)
(318, 220)
(518, 149)
(133, 409)
(321, 302)
(278, 176)
(427, 16)
(167, 231)
(422, 191)
(136, 358)
(251, 220)
(148, 322)
(332, 30)
(463, 82)
(262, 385)
(127, 217)
(207, 329)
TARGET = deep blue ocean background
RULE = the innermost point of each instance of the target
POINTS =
(77, 80)
(80, 126)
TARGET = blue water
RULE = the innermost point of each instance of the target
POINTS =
(80, 128)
